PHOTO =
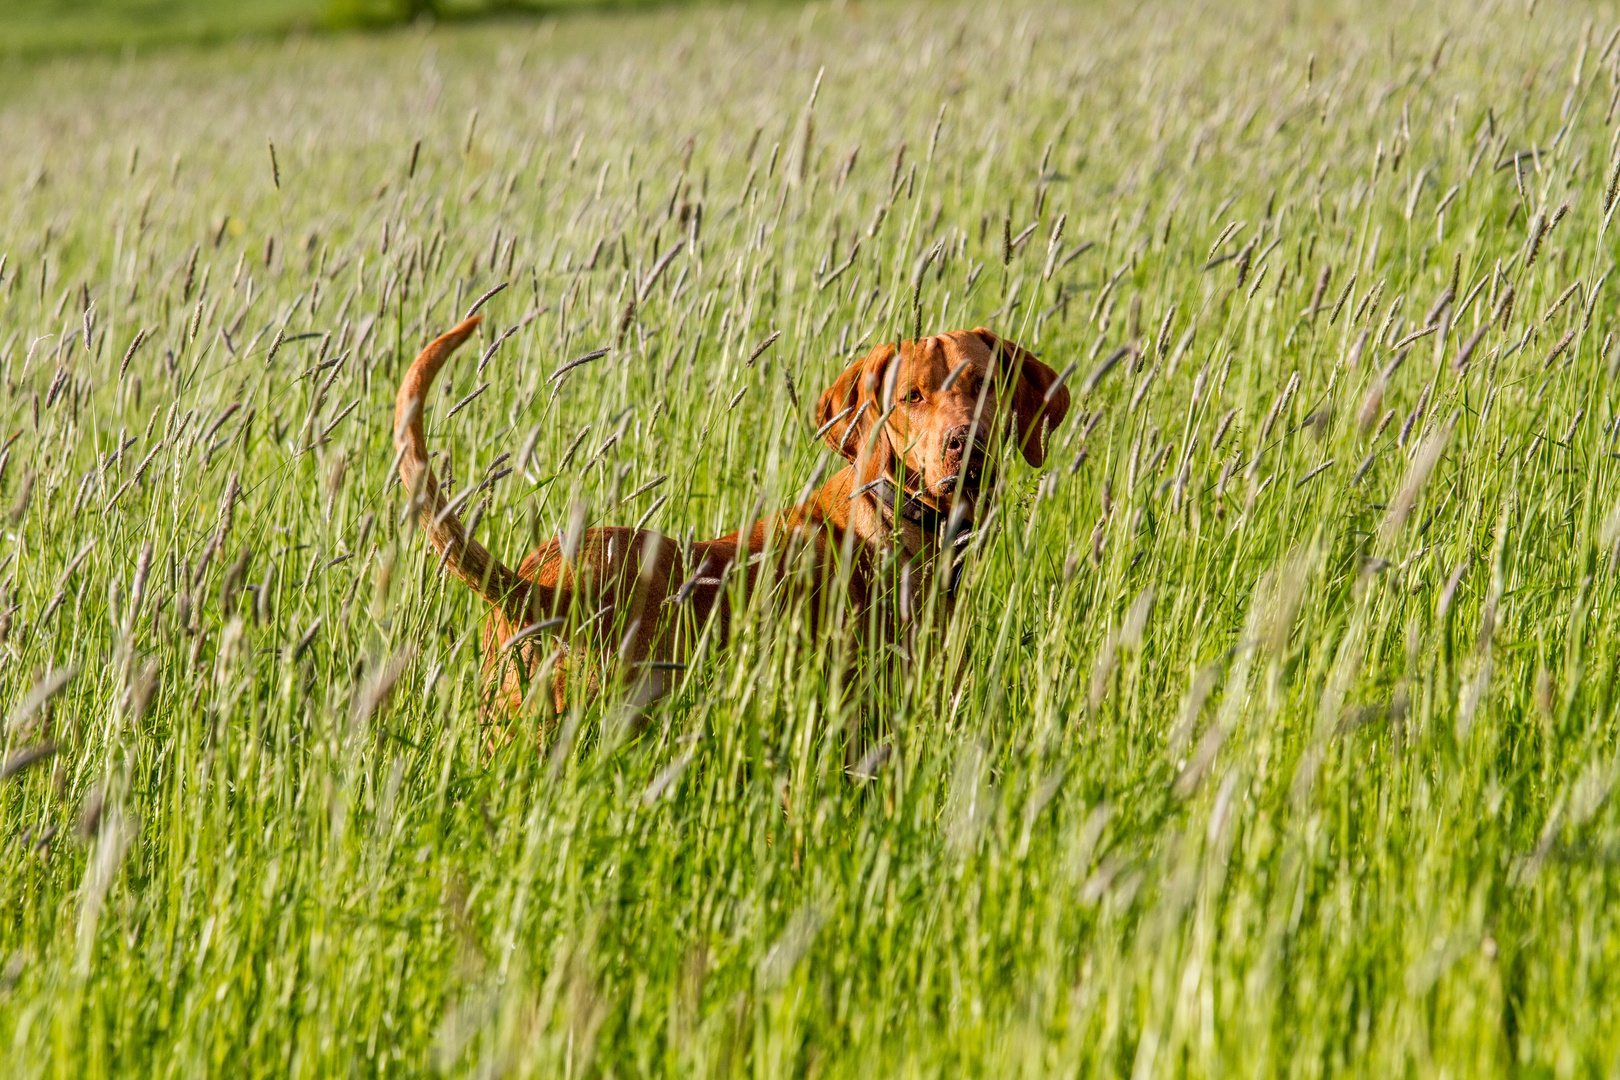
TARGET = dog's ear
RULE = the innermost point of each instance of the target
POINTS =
(854, 399)
(1037, 406)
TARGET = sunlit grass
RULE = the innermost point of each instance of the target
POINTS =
(1274, 728)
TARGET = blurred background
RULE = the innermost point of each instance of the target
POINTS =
(32, 27)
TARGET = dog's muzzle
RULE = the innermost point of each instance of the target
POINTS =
(971, 474)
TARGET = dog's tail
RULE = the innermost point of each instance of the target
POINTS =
(464, 557)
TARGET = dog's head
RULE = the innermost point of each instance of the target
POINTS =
(931, 413)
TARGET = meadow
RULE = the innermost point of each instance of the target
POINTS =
(1273, 732)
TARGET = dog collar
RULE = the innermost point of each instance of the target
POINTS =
(928, 518)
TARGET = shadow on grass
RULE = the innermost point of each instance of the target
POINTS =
(384, 14)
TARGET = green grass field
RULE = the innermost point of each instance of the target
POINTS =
(30, 29)
(1285, 735)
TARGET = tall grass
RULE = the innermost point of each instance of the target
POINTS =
(1274, 730)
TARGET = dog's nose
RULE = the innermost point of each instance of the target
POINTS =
(956, 441)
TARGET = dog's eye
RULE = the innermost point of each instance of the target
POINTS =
(914, 397)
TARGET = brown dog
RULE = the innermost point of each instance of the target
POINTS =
(920, 425)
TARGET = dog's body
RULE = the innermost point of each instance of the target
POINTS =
(918, 424)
